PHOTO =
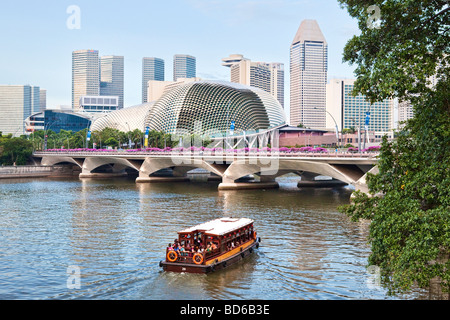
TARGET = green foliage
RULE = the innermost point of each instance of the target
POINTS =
(409, 201)
(410, 204)
(14, 150)
(398, 59)
(349, 130)
(112, 142)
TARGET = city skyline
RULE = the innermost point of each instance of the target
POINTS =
(262, 30)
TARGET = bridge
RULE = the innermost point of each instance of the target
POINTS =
(231, 168)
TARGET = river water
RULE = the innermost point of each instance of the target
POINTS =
(113, 233)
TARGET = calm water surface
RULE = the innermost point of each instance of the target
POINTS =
(116, 232)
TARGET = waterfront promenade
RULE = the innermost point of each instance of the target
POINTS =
(14, 172)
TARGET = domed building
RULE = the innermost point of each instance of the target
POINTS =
(127, 119)
(202, 107)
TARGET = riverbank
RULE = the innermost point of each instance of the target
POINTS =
(13, 172)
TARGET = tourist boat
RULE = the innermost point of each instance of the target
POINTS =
(211, 246)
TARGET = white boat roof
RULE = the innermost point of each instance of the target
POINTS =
(220, 226)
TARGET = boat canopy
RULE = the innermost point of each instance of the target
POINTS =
(219, 227)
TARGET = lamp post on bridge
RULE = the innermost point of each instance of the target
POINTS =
(337, 128)
(359, 134)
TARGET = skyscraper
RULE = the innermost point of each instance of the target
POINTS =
(309, 66)
(16, 104)
(85, 75)
(43, 100)
(112, 77)
(152, 69)
(35, 99)
(265, 76)
(184, 66)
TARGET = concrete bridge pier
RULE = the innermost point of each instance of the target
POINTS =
(164, 176)
(308, 180)
(102, 175)
(234, 177)
(115, 172)
(232, 185)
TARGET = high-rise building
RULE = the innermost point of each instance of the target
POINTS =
(85, 75)
(277, 81)
(350, 112)
(17, 103)
(43, 100)
(405, 108)
(112, 77)
(184, 66)
(152, 69)
(265, 76)
(308, 66)
(35, 99)
(405, 112)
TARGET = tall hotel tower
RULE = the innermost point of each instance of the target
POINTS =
(85, 75)
(309, 65)
(152, 69)
(184, 66)
(112, 77)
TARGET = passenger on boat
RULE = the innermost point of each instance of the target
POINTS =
(169, 247)
(183, 253)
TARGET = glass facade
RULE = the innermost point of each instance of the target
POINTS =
(69, 121)
(112, 77)
(152, 69)
(184, 66)
(355, 108)
(85, 75)
(16, 104)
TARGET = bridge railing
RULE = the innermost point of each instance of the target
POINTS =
(198, 153)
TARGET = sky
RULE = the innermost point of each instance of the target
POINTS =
(37, 44)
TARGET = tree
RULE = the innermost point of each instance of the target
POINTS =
(351, 130)
(409, 200)
(15, 151)
(111, 142)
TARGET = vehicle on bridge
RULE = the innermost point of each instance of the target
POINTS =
(211, 246)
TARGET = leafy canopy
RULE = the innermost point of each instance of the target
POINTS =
(409, 200)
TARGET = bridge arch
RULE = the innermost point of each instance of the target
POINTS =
(180, 165)
(51, 161)
(119, 164)
(241, 168)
